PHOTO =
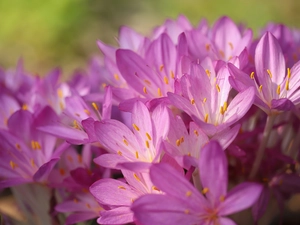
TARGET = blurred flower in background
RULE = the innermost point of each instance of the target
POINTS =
(64, 32)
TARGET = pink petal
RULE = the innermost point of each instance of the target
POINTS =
(120, 215)
(239, 198)
(79, 217)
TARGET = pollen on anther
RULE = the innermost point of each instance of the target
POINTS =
(287, 85)
(159, 92)
(148, 136)
(122, 187)
(135, 127)
(269, 72)
(172, 74)
(155, 188)
(166, 80)
(178, 142)
(136, 155)
(147, 144)
(192, 101)
(87, 111)
(186, 211)
(218, 88)
(18, 146)
(12, 164)
(196, 132)
(188, 193)
(231, 45)
(222, 198)
(260, 87)
(147, 82)
(278, 89)
(206, 118)
(204, 100)
(288, 73)
(95, 106)
(252, 75)
(62, 171)
(207, 73)
(75, 124)
(205, 190)
(207, 47)
(24, 107)
(136, 177)
(125, 142)
(60, 93)
(145, 90)
(181, 139)
(119, 153)
(32, 162)
(88, 205)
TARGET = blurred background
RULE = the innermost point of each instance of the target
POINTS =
(63, 33)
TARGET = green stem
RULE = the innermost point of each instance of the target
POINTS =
(262, 146)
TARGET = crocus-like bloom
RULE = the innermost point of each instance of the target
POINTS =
(205, 97)
(276, 87)
(140, 145)
(184, 204)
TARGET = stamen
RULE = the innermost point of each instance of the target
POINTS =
(222, 198)
(136, 177)
(206, 118)
(205, 190)
(218, 87)
(135, 127)
(225, 106)
(87, 112)
(18, 146)
(95, 106)
(207, 73)
(148, 136)
(204, 100)
(35, 145)
(136, 155)
(88, 205)
(79, 158)
(172, 74)
(181, 139)
(192, 101)
(196, 133)
(222, 53)
(145, 90)
(260, 87)
(166, 80)
(32, 162)
(60, 94)
(222, 110)
(188, 193)
(61, 105)
(207, 47)
(119, 152)
(288, 73)
(24, 107)
(186, 211)
(155, 188)
(125, 142)
(75, 124)
(116, 76)
(287, 87)
(77, 114)
(122, 187)
(161, 67)
(147, 82)
(278, 90)
(12, 164)
(147, 144)
(231, 45)
(269, 72)
(178, 142)
(70, 158)
(62, 171)
(252, 75)
(159, 92)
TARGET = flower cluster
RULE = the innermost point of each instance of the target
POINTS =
(189, 125)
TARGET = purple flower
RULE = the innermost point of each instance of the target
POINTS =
(184, 204)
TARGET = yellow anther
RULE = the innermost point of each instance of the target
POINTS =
(172, 74)
(119, 153)
(35, 145)
(116, 76)
(186, 211)
(122, 187)
(155, 188)
(88, 205)
(218, 87)
(287, 85)
(205, 190)
(207, 47)
(222, 110)
(208, 73)
(222, 53)
(260, 87)
(103, 85)
(145, 90)
(196, 133)
(147, 144)
(32, 162)
(161, 67)
(75, 124)
(288, 73)
(95, 106)
(159, 92)
(278, 89)
(136, 177)
(135, 127)
(204, 100)
(192, 101)
(87, 112)
(206, 118)
(188, 154)
(225, 105)
(125, 142)
(136, 155)
(270, 74)
(12, 164)
(222, 198)
(25, 107)
(188, 193)
(147, 82)
(231, 45)
(178, 142)
(166, 80)
(62, 171)
(252, 75)
(60, 94)
(148, 136)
